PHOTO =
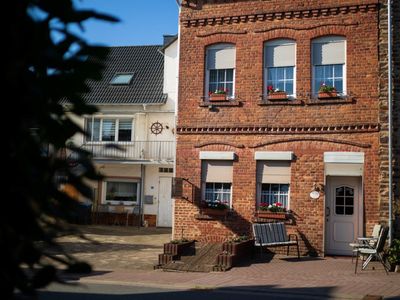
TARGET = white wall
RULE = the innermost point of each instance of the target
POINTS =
(171, 74)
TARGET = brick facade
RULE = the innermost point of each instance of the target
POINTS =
(306, 126)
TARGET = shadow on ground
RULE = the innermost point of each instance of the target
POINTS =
(121, 230)
(106, 292)
(81, 247)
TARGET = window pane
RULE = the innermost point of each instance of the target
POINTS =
(339, 201)
(108, 132)
(212, 87)
(229, 87)
(349, 210)
(289, 87)
(338, 70)
(229, 75)
(328, 71)
(339, 210)
(121, 191)
(96, 130)
(349, 191)
(123, 79)
(125, 130)
(289, 72)
(213, 76)
(340, 191)
(339, 85)
(319, 72)
(221, 75)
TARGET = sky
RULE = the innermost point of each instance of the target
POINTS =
(143, 22)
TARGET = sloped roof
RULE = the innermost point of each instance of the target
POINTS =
(146, 87)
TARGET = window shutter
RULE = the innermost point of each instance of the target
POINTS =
(217, 171)
(221, 57)
(273, 171)
(329, 51)
(280, 53)
(125, 124)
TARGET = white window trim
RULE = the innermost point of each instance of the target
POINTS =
(259, 189)
(207, 79)
(203, 191)
(277, 42)
(117, 119)
(321, 40)
(104, 191)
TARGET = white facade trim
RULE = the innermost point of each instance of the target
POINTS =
(217, 155)
(273, 155)
(344, 157)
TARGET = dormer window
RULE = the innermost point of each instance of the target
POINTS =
(122, 79)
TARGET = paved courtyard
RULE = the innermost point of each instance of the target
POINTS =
(126, 257)
(118, 247)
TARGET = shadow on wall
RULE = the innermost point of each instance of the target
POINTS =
(234, 222)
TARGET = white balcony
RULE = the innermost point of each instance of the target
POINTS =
(152, 151)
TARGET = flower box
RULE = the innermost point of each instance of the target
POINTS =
(217, 97)
(177, 249)
(327, 95)
(277, 96)
(272, 215)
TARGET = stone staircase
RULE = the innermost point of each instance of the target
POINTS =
(203, 259)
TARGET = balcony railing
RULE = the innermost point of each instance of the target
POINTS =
(138, 150)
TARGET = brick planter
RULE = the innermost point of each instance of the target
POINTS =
(327, 95)
(177, 249)
(233, 253)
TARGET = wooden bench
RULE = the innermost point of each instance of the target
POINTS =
(273, 235)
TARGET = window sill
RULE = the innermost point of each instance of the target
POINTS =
(265, 102)
(205, 102)
(345, 99)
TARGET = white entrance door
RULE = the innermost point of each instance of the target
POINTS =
(164, 216)
(343, 213)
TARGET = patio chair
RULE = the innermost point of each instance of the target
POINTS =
(366, 242)
(374, 251)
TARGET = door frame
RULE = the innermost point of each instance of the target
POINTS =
(159, 201)
(360, 216)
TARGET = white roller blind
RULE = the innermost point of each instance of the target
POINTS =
(281, 53)
(329, 51)
(221, 57)
(273, 171)
(217, 171)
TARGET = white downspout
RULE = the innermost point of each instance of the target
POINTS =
(390, 120)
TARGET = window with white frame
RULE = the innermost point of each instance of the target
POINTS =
(109, 129)
(280, 65)
(273, 180)
(329, 63)
(220, 68)
(121, 191)
(217, 181)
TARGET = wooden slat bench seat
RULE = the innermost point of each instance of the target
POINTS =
(274, 235)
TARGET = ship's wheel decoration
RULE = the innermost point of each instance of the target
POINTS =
(156, 128)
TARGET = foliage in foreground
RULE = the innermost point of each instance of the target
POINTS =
(44, 62)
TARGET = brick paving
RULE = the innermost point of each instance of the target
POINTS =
(126, 256)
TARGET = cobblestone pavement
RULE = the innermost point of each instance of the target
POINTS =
(118, 247)
(126, 256)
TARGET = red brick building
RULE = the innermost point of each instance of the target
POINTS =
(251, 150)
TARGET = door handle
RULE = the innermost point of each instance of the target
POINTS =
(328, 211)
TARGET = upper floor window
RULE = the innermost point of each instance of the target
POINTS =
(220, 68)
(280, 65)
(329, 63)
(108, 130)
